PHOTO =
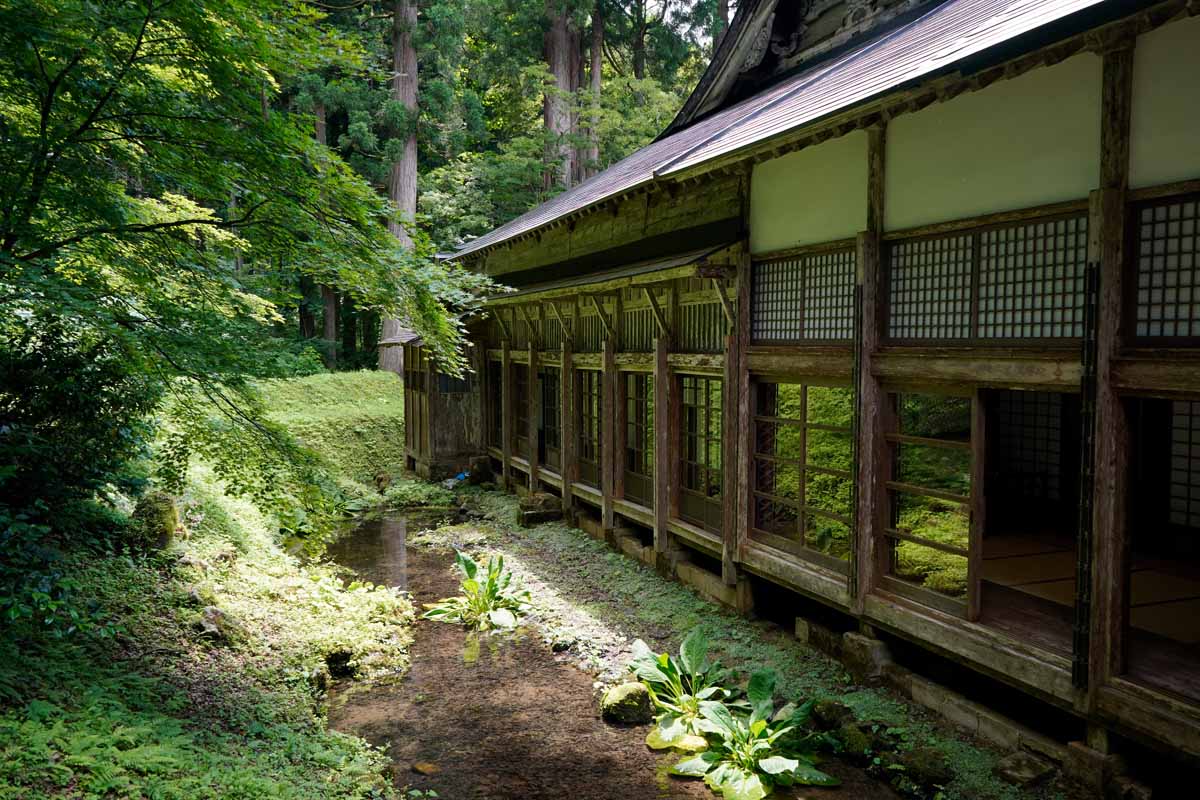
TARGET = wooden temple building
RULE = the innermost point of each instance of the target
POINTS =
(900, 318)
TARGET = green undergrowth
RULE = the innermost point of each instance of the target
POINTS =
(352, 420)
(205, 673)
(633, 599)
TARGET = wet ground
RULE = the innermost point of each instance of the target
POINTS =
(500, 716)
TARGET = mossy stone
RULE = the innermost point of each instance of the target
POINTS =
(627, 704)
(926, 766)
(157, 518)
(831, 715)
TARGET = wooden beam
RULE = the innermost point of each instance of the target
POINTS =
(504, 329)
(506, 413)
(568, 332)
(745, 415)
(873, 409)
(533, 412)
(663, 466)
(978, 506)
(569, 468)
(608, 433)
(1107, 254)
(663, 329)
(729, 462)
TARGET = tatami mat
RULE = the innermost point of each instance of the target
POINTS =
(1179, 620)
(1017, 570)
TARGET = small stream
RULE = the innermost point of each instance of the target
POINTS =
(492, 716)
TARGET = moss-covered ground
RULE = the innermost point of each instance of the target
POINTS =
(202, 672)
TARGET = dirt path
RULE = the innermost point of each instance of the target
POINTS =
(501, 716)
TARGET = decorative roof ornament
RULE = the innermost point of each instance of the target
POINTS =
(858, 11)
(758, 46)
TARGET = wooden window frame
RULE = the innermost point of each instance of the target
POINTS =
(802, 509)
(551, 394)
(698, 505)
(589, 424)
(520, 389)
(1132, 271)
(637, 462)
(802, 258)
(495, 375)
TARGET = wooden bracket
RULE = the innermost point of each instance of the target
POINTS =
(534, 330)
(562, 322)
(504, 329)
(608, 329)
(725, 302)
(657, 312)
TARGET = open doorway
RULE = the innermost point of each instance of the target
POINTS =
(1162, 639)
(1032, 515)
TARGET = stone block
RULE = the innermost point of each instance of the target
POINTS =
(865, 658)
(1024, 769)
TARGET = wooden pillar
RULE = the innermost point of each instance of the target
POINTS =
(731, 440)
(873, 412)
(1107, 255)
(568, 469)
(745, 429)
(506, 414)
(664, 469)
(978, 507)
(532, 414)
(608, 433)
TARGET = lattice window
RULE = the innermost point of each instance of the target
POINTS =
(1006, 282)
(1185, 463)
(495, 409)
(1026, 448)
(702, 327)
(701, 475)
(520, 332)
(639, 438)
(803, 470)
(1031, 280)
(805, 298)
(520, 437)
(588, 425)
(1168, 269)
(930, 289)
(638, 330)
(551, 435)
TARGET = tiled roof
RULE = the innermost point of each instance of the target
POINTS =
(945, 35)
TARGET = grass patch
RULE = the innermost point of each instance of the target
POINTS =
(211, 685)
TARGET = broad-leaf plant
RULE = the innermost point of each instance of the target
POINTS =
(489, 600)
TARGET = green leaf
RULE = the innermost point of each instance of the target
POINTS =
(761, 687)
(776, 765)
(696, 766)
(808, 775)
(735, 783)
(502, 618)
(693, 651)
(719, 715)
(466, 564)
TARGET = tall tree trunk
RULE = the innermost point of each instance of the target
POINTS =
(349, 329)
(308, 320)
(722, 23)
(328, 293)
(402, 180)
(330, 333)
(639, 39)
(592, 160)
(562, 57)
(369, 335)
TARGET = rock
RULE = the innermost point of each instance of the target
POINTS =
(925, 766)
(561, 645)
(201, 596)
(831, 715)
(865, 657)
(627, 704)
(319, 678)
(538, 507)
(216, 624)
(857, 744)
(156, 518)
(426, 768)
(1023, 769)
(382, 481)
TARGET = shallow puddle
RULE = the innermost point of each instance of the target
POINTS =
(496, 715)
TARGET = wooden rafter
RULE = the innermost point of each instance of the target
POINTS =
(562, 322)
(533, 329)
(504, 329)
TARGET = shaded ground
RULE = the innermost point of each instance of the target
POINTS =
(501, 716)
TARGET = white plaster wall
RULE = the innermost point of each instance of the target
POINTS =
(1028, 141)
(1165, 130)
(814, 195)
